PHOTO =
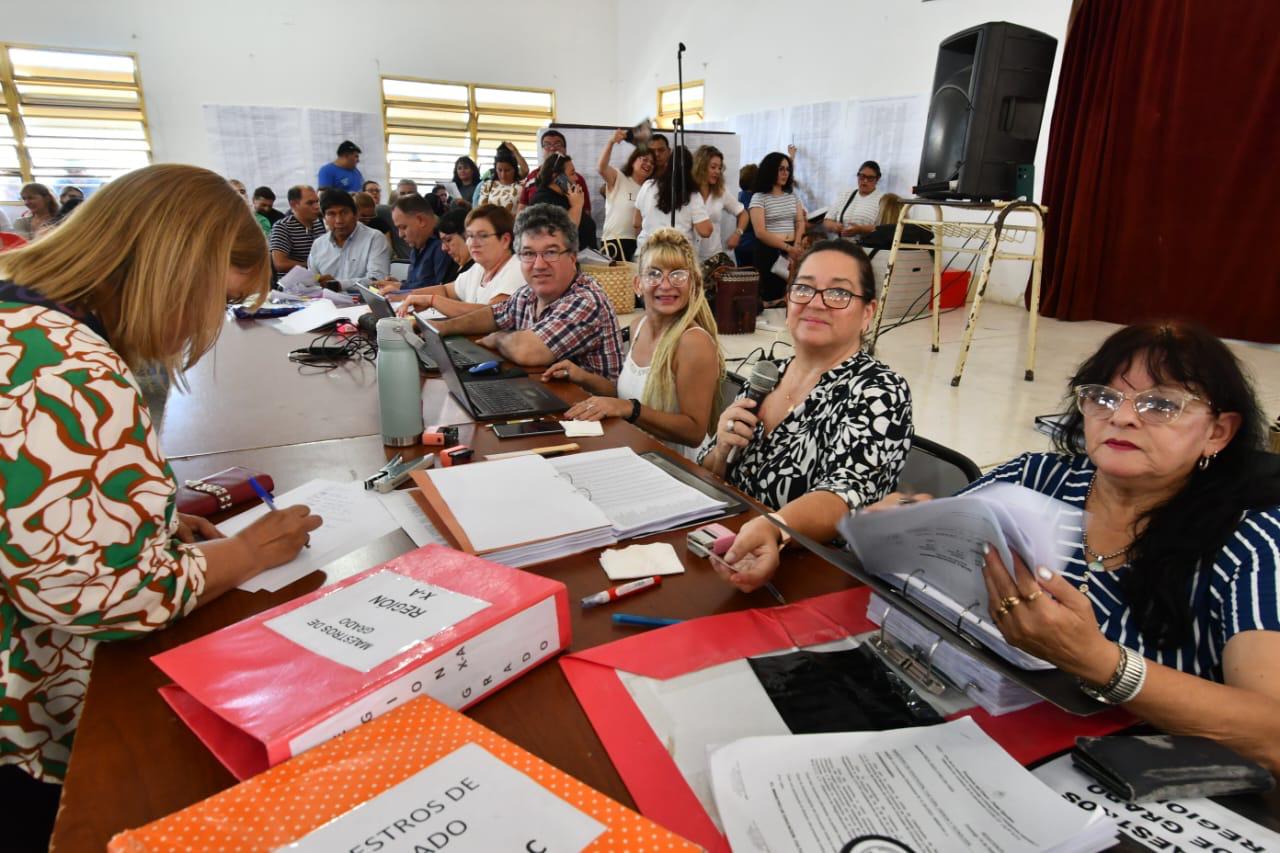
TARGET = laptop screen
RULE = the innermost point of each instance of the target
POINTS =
(444, 362)
(378, 304)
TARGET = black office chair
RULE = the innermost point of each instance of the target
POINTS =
(937, 470)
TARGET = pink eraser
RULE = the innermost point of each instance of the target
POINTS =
(722, 545)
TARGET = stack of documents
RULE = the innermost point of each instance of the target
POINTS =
(514, 511)
(638, 497)
(529, 509)
(944, 787)
(933, 552)
(992, 691)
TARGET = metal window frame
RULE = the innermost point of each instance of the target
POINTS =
(12, 103)
(662, 120)
(472, 132)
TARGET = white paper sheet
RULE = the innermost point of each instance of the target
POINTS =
(636, 495)
(641, 561)
(352, 519)
(582, 429)
(470, 802)
(1195, 824)
(933, 788)
(406, 512)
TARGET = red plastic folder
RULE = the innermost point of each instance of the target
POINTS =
(432, 622)
(643, 762)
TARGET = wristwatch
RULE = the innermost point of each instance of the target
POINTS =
(635, 412)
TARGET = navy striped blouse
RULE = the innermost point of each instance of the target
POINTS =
(1237, 593)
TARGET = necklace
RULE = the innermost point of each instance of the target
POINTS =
(1094, 561)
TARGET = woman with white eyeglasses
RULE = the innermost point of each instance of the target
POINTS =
(1168, 602)
(493, 278)
(670, 379)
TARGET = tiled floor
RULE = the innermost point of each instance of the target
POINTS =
(988, 417)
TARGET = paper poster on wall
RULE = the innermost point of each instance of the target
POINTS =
(833, 138)
(279, 147)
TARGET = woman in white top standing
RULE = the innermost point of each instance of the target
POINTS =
(670, 380)
(494, 276)
(621, 188)
(856, 211)
(657, 199)
(778, 219)
(708, 171)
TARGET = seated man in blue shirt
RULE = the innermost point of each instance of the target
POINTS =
(350, 253)
(415, 218)
(342, 173)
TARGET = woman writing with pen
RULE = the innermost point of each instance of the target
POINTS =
(91, 547)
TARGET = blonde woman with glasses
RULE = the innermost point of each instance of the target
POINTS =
(91, 545)
(670, 379)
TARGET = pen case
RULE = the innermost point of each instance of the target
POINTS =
(221, 491)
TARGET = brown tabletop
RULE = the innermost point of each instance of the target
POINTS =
(135, 761)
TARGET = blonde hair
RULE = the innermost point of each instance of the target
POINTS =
(149, 254)
(669, 248)
(702, 167)
(890, 209)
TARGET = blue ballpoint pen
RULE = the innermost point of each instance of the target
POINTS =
(267, 499)
(643, 621)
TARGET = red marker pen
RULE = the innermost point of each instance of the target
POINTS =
(621, 591)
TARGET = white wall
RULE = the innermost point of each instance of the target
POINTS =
(327, 53)
(756, 55)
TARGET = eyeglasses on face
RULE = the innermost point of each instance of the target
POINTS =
(863, 176)
(832, 297)
(653, 277)
(528, 256)
(479, 236)
(1155, 405)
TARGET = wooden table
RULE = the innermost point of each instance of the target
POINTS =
(135, 761)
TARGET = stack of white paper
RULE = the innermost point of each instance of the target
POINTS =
(519, 511)
(934, 551)
(932, 788)
(991, 690)
(638, 497)
(317, 313)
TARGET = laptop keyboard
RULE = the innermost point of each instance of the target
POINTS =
(461, 358)
(495, 397)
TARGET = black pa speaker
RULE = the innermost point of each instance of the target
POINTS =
(984, 118)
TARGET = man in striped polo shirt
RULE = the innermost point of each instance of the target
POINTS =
(292, 236)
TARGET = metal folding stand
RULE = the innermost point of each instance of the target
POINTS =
(990, 236)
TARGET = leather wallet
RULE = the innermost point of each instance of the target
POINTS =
(221, 491)
(1165, 767)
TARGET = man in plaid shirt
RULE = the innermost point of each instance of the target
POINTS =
(558, 313)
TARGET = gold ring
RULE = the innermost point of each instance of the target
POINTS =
(1033, 596)
(1000, 611)
(1010, 601)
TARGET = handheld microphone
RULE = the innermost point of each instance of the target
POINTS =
(764, 378)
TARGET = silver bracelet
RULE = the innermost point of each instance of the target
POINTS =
(1126, 684)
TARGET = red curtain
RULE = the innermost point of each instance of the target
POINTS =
(1163, 172)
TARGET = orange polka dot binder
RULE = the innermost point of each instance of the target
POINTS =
(306, 801)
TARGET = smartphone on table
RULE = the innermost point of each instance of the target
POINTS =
(528, 428)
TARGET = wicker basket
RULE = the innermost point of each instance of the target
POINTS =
(618, 281)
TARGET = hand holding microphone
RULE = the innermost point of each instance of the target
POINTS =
(738, 423)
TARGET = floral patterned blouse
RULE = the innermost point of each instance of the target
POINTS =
(87, 531)
(850, 436)
(503, 195)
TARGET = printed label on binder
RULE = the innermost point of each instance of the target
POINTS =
(467, 801)
(370, 622)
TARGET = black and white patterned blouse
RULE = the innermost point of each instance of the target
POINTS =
(849, 436)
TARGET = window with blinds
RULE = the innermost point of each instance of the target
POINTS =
(429, 124)
(74, 118)
(669, 104)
